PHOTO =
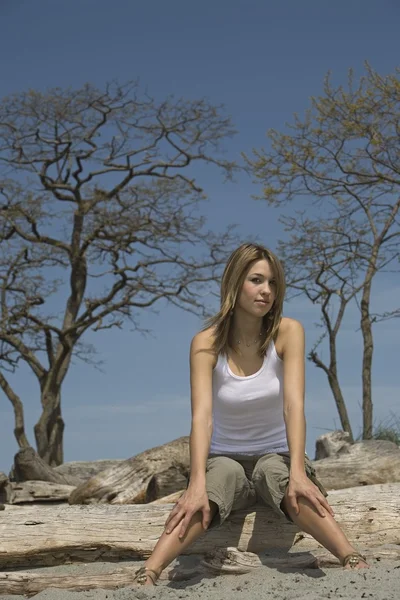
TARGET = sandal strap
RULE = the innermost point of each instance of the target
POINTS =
(353, 559)
(143, 573)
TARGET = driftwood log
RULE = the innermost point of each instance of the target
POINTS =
(84, 470)
(58, 534)
(166, 483)
(37, 491)
(332, 444)
(3, 488)
(29, 466)
(163, 470)
(127, 482)
(347, 465)
(171, 499)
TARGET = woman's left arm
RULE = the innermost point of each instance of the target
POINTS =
(293, 349)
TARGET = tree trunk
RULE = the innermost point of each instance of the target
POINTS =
(333, 380)
(57, 534)
(368, 349)
(19, 429)
(340, 404)
(49, 430)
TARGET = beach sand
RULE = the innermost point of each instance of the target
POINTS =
(380, 582)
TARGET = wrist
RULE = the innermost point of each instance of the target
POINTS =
(297, 469)
(197, 481)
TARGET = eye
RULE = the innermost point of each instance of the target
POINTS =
(256, 280)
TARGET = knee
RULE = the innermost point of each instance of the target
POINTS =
(262, 474)
(228, 469)
(231, 467)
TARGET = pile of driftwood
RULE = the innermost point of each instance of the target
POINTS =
(127, 502)
(162, 471)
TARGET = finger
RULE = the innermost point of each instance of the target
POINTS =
(294, 504)
(172, 514)
(206, 519)
(326, 505)
(184, 526)
(317, 505)
(174, 522)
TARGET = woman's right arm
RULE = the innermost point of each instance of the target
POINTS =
(201, 366)
(202, 361)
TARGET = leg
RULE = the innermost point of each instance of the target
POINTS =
(271, 478)
(169, 546)
(227, 489)
(324, 529)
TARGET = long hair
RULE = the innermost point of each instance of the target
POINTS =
(237, 267)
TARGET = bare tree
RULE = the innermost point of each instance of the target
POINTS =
(99, 219)
(345, 157)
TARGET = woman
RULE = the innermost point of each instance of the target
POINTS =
(247, 439)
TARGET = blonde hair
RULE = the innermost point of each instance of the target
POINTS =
(237, 267)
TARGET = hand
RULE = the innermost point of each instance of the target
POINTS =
(301, 485)
(194, 499)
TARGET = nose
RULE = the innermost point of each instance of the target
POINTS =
(266, 290)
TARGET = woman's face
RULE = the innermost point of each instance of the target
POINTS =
(259, 289)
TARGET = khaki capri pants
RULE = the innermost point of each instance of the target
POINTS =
(238, 481)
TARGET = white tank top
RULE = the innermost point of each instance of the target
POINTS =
(248, 411)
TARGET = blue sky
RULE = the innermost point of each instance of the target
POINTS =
(263, 61)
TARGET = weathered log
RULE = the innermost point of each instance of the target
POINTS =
(3, 487)
(364, 463)
(150, 474)
(38, 491)
(57, 534)
(29, 466)
(127, 483)
(167, 482)
(334, 443)
(29, 584)
(171, 499)
(84, 470)
(232, 560)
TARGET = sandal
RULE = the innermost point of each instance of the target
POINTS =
(143, 573)
(353, 560)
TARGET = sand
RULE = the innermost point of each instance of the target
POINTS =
(380, 582)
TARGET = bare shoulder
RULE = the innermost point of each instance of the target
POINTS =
(290, 327)
(202, 346)
(290, 335)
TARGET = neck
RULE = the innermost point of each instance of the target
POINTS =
(245, 328)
